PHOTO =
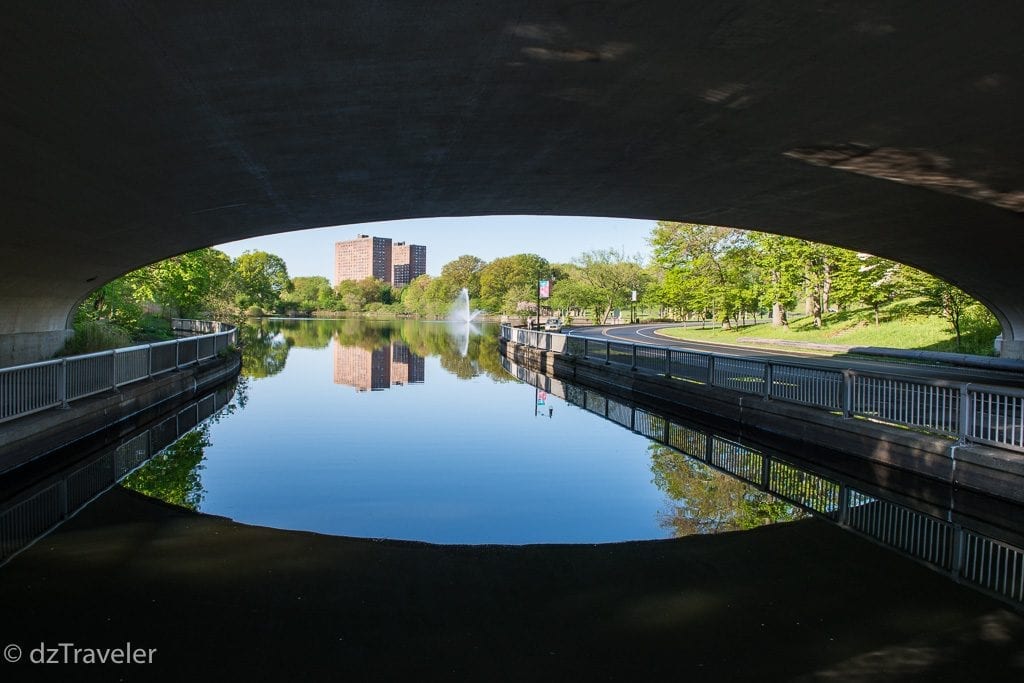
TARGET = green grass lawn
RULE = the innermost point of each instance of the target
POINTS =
(898, 328)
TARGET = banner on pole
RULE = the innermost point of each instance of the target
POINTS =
(545, 289)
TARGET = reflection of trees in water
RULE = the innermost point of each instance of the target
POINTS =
(485, 349)
(173, 475)
(264, 351)
(305, 334)
(463, 367)
(367, 335)
(703, 500)
(429, 339)
(266, 344)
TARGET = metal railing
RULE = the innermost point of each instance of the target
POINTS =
(993, 565)
(27, 389)
(971, 413)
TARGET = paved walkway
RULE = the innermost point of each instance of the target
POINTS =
(648, 334)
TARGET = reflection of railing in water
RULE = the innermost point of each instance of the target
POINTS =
(971, 412)
(34, 512)
(992, 565)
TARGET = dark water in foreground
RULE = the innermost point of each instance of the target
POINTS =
(413, 430)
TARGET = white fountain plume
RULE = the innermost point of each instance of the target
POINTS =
(459, 312)
(460, 321)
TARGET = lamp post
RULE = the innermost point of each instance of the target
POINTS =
(543, 290)
(539, 285)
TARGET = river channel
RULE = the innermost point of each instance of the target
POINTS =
(414, 430)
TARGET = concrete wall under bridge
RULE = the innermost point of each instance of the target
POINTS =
(990, 471)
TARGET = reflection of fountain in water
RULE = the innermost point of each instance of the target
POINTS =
(460, 321)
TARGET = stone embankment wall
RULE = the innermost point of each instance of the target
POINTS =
(986, 470)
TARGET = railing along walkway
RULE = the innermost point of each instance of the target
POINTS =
(27, 389)
(968, 412)
(993, 565)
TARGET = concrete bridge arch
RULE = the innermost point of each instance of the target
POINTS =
(136, 131)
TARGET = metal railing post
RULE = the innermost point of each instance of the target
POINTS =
(113, 369)
(844, 504)
(768, 378)
(711, 370)
(177, 355)
(847, 393)
(62, 498)
(607, 353)
(964, 419)
(668, 363)
(633, 366)
(149, 355)
(62, 388)
(956, 559)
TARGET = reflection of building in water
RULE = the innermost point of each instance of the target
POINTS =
(406, 366)
(377, 369)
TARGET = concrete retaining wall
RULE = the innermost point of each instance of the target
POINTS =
(985, 470)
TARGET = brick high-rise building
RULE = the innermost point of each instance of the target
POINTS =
(408, 262)
(366, 256)
(363, 257)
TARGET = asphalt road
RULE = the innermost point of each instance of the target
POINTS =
(648, 334)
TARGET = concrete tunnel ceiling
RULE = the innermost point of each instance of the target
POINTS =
(135, 131)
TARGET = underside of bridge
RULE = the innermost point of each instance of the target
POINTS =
(133, 131)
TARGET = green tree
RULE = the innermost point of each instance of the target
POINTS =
(609, 278)
(464, 272)
(260, 279)
(188, 285)
(778, 261)
(312, 293)
(117, 302)
(414, 295)
(714, 264)
(955, 306)
(506, 282)
(571, 295)
(866, 279)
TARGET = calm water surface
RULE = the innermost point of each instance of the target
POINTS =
(412, 430)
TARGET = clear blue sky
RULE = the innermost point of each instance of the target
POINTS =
(556, 238)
